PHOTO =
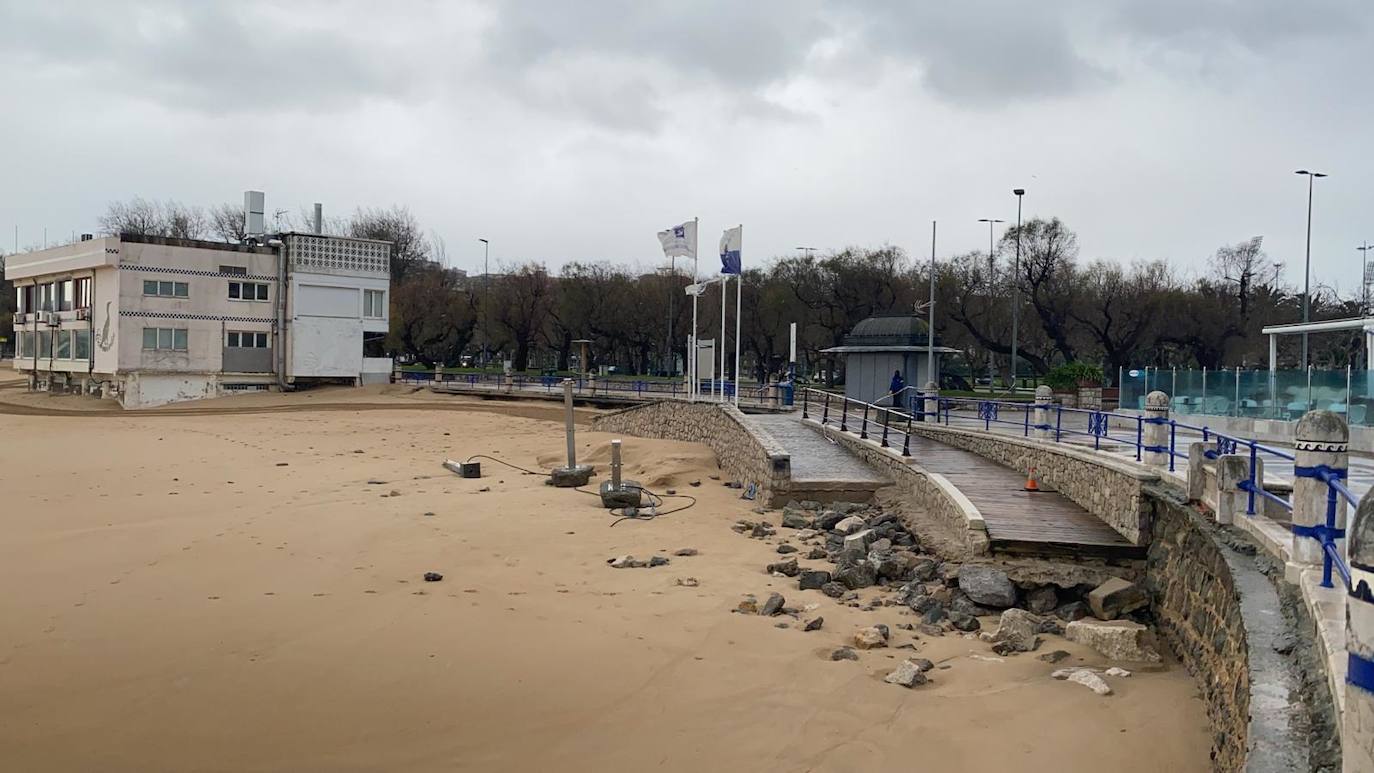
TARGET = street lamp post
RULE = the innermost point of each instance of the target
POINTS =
(992, 223)
(806, 251)
(670, 365)
(1364, 277)
(486, 293)
(1016, 287)
(1307, 264)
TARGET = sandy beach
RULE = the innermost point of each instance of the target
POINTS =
(236, 585)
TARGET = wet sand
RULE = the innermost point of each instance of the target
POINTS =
(175, 599)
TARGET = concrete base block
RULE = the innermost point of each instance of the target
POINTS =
(570, 477)
(628, 495)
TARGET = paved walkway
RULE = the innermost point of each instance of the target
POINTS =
(814, 458)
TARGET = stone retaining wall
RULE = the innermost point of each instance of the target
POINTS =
(1106, 487)
(745, 453)
(958, 518)
(1223, 618)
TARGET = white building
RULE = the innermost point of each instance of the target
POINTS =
(152, 320)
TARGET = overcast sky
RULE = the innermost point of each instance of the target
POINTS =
(575, 130)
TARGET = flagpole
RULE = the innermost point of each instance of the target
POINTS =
(695, 387)
(930, 316)
(739, 289)
(720, 344)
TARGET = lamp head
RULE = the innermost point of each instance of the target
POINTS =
(1019, 191)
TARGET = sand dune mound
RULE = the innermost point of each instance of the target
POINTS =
(656, 464)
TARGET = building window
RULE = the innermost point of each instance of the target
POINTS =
(81, 344)
(24, 299)
(247, 291)
(166, 338)
(81, 295)
(26, 344)
(165, 289)
(44, 344)
(64, 295)
(243, 339)
(64, 345)
(374, 304)
(234, 270)
(45, 297)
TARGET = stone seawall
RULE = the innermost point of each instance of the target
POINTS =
(1223, 618)
(1108, 488)
(956, 517)
(744, 452)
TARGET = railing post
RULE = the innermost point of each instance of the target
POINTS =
(806, 393)
(1044, 397)
(1156, 434)
(886, 417)
(1058, 422)
(1357, 737)
(844, 414)
(1256, 478)
(825, 411)
(1321, 446)
(863, 431)
(906, 441)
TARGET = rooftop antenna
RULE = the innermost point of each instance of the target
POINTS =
(276, 218)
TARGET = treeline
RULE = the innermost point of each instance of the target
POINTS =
(1071, 309)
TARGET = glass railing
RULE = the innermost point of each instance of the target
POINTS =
(1261, 394)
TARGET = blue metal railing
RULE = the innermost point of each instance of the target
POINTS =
(1098, 426)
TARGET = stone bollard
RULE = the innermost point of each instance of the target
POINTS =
(1155, 433)
(1357, 736)
(1321, 439)
(930, 402)
(1044, 399)
(1232, 469)
(1197, 473)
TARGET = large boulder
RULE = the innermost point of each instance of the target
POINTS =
(812, 579)
(924, 569)
(796, 519)
(869, 638)
(788, 568)
(849, 525)
(1017, 631)
(1115, 639)
(907, 674)
(828, 519)
(888, 564)
(1116, 597)
(856, 576)
(1042, 600)
(987, 586)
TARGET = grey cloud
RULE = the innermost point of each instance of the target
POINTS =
(208, 57)
(1253, 25)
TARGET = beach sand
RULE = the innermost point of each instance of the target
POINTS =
(218, 587)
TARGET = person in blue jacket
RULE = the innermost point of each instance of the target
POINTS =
(897, 385)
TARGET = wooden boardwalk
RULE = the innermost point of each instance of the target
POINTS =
(1019, 521)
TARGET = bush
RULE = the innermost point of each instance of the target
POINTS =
(1069, 375)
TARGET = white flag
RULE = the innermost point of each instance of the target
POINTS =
(680, 241)
(731, 244)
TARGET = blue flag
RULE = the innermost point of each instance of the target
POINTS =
(730, 244)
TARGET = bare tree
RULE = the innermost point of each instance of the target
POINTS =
(409, 246)
(227, 223)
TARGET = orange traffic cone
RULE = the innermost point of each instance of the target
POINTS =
(1032, 483)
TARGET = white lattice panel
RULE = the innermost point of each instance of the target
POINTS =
(337, 255)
